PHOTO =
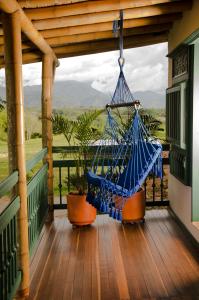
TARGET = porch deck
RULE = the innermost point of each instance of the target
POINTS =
(113, 261)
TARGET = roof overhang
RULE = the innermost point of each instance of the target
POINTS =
(70, 27)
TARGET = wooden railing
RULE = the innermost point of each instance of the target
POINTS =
(10, 275)
(155, 189)
(37, 198)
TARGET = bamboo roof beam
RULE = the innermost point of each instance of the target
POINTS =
(16, 138)
(80, 38)
(111, 47)
(111, 44)
(67, 40)
(107, 26)
(93, 18)
(27, 27)
(89, 7)
(96, 47)
(45, 3)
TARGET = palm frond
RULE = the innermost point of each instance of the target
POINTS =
(62, 125)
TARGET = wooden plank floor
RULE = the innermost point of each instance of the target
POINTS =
(110, 261)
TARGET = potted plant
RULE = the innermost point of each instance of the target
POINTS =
(83, 133)
(134, 207)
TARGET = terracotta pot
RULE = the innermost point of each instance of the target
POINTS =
(80, 212)
(134, 208)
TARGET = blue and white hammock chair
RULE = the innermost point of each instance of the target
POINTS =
(123, 160)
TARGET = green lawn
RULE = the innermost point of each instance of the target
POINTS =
(32, 147)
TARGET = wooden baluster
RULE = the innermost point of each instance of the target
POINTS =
(5, 262)
(1, 267)
(153, 186)
(12, 250)
(9, 257)
(145, 189)
(60, 185)
(16, 246)
(68, 179)
(162, 186)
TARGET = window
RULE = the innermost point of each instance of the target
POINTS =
(178, 116)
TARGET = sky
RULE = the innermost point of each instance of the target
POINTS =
(145, 69)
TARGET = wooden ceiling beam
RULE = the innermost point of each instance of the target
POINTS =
(45, 3)
(133, 13)
(95, 47)
(81, 38)
(27, 27)
(111, 44)
(105, 26)
(102, 27)
(89, 7)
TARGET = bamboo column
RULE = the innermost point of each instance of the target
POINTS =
(48, 69)
(15, 106)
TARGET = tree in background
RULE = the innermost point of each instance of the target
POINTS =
(3, 120)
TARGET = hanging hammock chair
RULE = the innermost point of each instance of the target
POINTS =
(123, 160)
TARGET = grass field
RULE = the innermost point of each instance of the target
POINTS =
(32, 147)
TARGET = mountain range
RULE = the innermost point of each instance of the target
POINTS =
(73, 93)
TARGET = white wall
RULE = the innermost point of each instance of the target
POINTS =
(180, 196)
(180, 202)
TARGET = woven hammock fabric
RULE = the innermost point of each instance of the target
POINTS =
(121, 165)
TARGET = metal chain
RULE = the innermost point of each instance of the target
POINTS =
(121, 45)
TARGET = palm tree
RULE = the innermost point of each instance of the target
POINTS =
(2, 104)
(83, 134)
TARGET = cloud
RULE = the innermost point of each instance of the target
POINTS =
(145, 69)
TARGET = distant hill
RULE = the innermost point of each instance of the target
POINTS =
(74, 93)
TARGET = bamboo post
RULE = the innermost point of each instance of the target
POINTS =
(48, 69)
(15, 106)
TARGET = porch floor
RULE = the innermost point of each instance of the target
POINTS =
(110, 261)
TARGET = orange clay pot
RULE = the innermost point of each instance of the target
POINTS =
(134, 208)
(80, 212)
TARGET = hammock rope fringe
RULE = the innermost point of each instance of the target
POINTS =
(123, 160)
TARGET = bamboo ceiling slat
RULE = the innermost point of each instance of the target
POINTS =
(45, 3)
(129, 42)
(109, 16)
(11, 6)
(68, 39)
(89, 7)
(96, 47)
(107, 26)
